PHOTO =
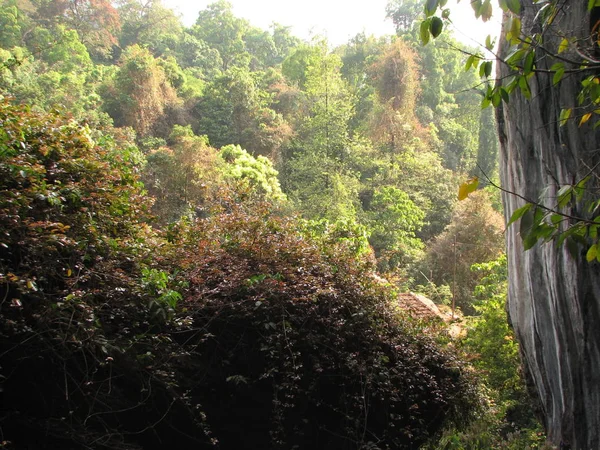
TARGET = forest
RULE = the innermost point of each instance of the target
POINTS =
(205, 231)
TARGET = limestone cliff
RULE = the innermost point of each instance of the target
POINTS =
(554, 297)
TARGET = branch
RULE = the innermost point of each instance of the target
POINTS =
(537, 204)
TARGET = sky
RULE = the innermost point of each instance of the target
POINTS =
(338, 20)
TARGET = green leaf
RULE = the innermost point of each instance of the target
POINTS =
(485, 70)
(489, 44)
(486, 10)
(470, 62)
(592, 253)
(519, 213)
(556, 219)
(467, 188)
(526, 220)
(430, 7)
(515, 56)
(579, 189)
(529, 239)
(524, 87)
(564, 195)
(528, 65)
(496, 98)
(559, 72)
(514, 31)
(424, 32)
(436, 26)
(514, 6)
(592, 4)
(564, 116)
(593, 230)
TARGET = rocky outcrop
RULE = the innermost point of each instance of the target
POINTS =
(420, 307)
(554, 295)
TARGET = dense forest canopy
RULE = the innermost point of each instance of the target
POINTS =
(205, 229)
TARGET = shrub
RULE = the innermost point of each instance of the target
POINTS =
(292, 349)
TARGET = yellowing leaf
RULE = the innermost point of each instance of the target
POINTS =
(592, 253)
(467, 188)
(585, 118)
(564, 44)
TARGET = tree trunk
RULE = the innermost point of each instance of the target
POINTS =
(554, 295)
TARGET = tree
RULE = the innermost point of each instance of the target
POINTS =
(149, 24)
(234, 109)
(473, 236)
(547, 94)
(96, 21)
(12, 24)
(315, 172)
(140, 93)
(182, 177)
(221, 30)
(403, 13)
(394, 220)
(395, 77)
(257, 174)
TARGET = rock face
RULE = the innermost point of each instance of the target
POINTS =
(554, 297)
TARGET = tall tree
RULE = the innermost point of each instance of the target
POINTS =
(139, 93)
(220, 29)
(473, 236)
(150, 24)
(395, 78)
(96, 21)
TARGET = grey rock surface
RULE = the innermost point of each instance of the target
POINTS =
(554, 295)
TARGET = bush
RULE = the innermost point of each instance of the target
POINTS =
(81, 352)
(295, 350)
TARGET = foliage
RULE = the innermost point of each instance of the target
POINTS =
(257, 173)
(341, 236)
(149, 24)
(234, 110)
(228, 311)
(300, 350)
(509, 422)
(473, 236)
(218, 27)
(272, 338)
(140, 92)
(52, 171)
(164, 299)
(76, 338)
(549, 51)
(394, 76)
(183, 177)
(394, 220)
